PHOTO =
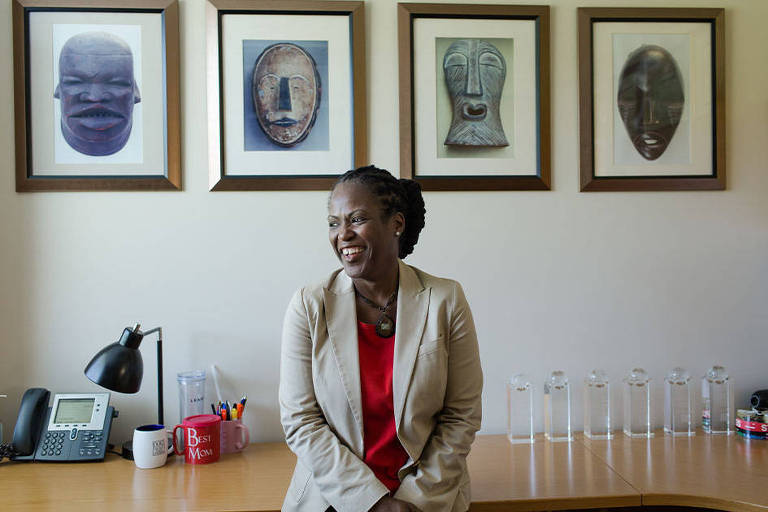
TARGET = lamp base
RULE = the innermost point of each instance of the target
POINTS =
(127, 450)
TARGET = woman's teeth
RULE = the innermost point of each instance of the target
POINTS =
(349, 251)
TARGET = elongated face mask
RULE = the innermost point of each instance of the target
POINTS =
(286, 93)
(97, 92)
(475, 71)
(650, 99)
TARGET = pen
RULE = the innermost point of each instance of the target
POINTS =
(213, 409)
(240, 409)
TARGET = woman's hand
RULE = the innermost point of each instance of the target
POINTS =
(390, 504)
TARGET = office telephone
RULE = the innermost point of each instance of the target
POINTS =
(75, 428)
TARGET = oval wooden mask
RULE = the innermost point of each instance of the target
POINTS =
(650, 99)
(286, 93)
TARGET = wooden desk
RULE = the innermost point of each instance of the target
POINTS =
(544, 476)
(253, 480)
(720, 472)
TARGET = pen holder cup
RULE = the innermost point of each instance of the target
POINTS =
(234, 436)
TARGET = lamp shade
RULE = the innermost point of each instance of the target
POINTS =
(119, 366)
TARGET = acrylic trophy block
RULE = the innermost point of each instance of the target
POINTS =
(637, 404)
(678, 403)
(597, 406)
(717, 398)
(557, 407)
(520, 409)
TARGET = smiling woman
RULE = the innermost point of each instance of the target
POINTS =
(380, 375)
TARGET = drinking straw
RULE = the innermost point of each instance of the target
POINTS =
(215, 373)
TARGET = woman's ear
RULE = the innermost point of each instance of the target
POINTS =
(398, 222)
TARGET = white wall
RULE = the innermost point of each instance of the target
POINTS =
(557, 279)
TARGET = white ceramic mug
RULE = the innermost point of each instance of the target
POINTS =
(151, 446)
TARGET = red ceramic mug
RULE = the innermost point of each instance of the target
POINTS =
(202, 437)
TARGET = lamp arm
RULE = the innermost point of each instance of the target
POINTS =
(159, 331)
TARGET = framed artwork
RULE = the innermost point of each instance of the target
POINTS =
(474, 96)
(286, 93)
(652, 99)
(96, 95)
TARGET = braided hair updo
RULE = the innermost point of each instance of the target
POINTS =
(396, 195)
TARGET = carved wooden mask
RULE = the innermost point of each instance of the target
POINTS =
(286, 93)
(650, 99)
(475, 71)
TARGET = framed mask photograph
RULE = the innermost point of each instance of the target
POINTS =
(96, 95)
(286, 93)
(652, 98)
(474, 96)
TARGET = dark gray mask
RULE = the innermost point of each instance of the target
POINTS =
(97, 93)
(650, 99)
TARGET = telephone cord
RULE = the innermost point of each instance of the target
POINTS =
(6, 451)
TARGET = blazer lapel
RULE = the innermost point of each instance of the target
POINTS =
(412, 306)
(341, 319)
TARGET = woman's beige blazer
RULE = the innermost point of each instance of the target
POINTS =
(437, 382)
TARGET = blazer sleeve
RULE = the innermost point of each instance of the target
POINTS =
(342, 478)
(442, 468)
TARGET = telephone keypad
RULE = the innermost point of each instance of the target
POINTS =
(74, 444)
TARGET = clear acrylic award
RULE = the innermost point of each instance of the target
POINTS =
(520, 409)
(597, 406)
(717, 398)
(678, 403)
(637, 404)
(557, 407)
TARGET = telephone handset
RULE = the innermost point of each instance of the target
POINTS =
(31, 413)
(75, 428)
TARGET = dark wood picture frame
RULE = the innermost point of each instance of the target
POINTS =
(218, 178)
(26, 180)
(587, 18)
(407, 13)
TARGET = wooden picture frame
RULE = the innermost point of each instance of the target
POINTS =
(245, 152)
(117, 131)
(667, 133)
(520, 34)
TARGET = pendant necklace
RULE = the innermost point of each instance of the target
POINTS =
(385, 326)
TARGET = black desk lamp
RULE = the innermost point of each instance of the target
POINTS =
(119, 367)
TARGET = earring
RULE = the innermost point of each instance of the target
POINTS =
(397, 233)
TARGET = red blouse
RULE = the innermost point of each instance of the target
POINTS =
(383, 452)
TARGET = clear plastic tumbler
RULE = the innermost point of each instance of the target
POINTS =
(191, 393)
